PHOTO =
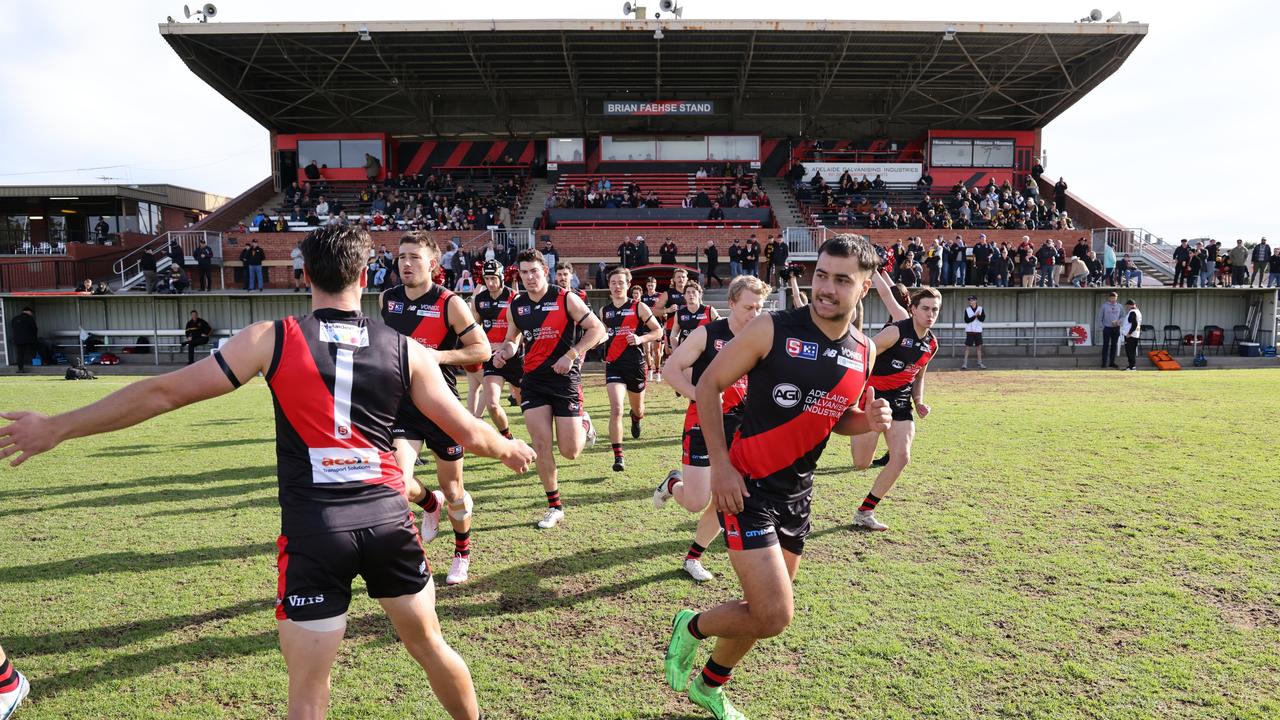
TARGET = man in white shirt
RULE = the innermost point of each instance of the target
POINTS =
(974, 315)
(1131, 330)
(299, 277)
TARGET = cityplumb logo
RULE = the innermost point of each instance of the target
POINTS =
(786, 395)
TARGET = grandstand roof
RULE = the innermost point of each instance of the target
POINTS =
(161, 194)
(844, 79)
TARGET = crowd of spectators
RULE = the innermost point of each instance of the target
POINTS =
(404, 202)
(872, 203)
(915, 262)
(1209, 264)
(739, 192)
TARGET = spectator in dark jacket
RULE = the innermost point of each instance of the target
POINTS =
(642, 251)
(668, 252)
(25, 333)
(148, 264)
(198, 331)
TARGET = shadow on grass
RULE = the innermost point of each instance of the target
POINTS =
(134, 450)
(521, 588)
(130, 561)
(193, 487)
(114, 636)
(146, 661)
(210, 476)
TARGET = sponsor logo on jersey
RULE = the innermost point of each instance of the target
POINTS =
(343, 465)
(829, 352)
(549, 307)
(523, 310)
(412, 308)
(898, 365)
(720, 344)
(431, 312)
(853, 363)
(786, 395)
(801, 349)
(395, 306)
(908, 342)
(759, 533)
(344, 334)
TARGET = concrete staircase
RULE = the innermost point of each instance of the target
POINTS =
(783, 202)
(1152, 273)
(536, 201)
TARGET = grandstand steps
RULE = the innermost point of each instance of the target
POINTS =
(535, 202)
(1152, 272)
(783, 202)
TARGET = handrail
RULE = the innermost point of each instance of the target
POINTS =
(1138, 243)
(130, 265)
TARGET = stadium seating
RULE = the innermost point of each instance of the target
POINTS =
(622, 200)
(485, 181)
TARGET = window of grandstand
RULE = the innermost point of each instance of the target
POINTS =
(565, 150)
(955, 152)
(679, 148)
(148, 218)
(338, 153)
(733, 147)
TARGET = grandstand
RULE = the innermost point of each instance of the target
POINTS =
(585, 133)
(609, 131)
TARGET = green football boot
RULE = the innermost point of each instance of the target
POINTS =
(712, 700)
(680, 651)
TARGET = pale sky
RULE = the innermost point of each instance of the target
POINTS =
(1180, 140)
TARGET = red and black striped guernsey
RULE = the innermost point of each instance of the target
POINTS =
(492, 313)
(425, 319)
(897, 367)
(718, 335)
(337, 380)
(546, 327)
(620, 322)
(795, 396)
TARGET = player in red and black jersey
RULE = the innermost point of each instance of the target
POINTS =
(490, 308)
(437, 319)
(904, 350)
(628, 326)
(542, 319)
(691, 488)
(650, 296)
(671, 301)
(337, 379)
(806, 374)
(693, 315)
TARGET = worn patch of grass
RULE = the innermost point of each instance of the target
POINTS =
(1064, 545)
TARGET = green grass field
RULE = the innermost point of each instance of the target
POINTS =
(1064, 545)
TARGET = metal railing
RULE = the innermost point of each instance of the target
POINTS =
(805, 240)
(129, 267)
(1138, 243)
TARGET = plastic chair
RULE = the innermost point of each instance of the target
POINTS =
(1239, 334)
(1173, 339)
(1147, 336)
(1213, 338)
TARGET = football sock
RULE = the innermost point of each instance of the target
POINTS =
(714, 674)
(695, 552)
(506, 433)
(553, 499)
(693, 628)
(672, 480)
(8, 677)
(429, 502)
(617, 449)
(869, 504)
(462, 544)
